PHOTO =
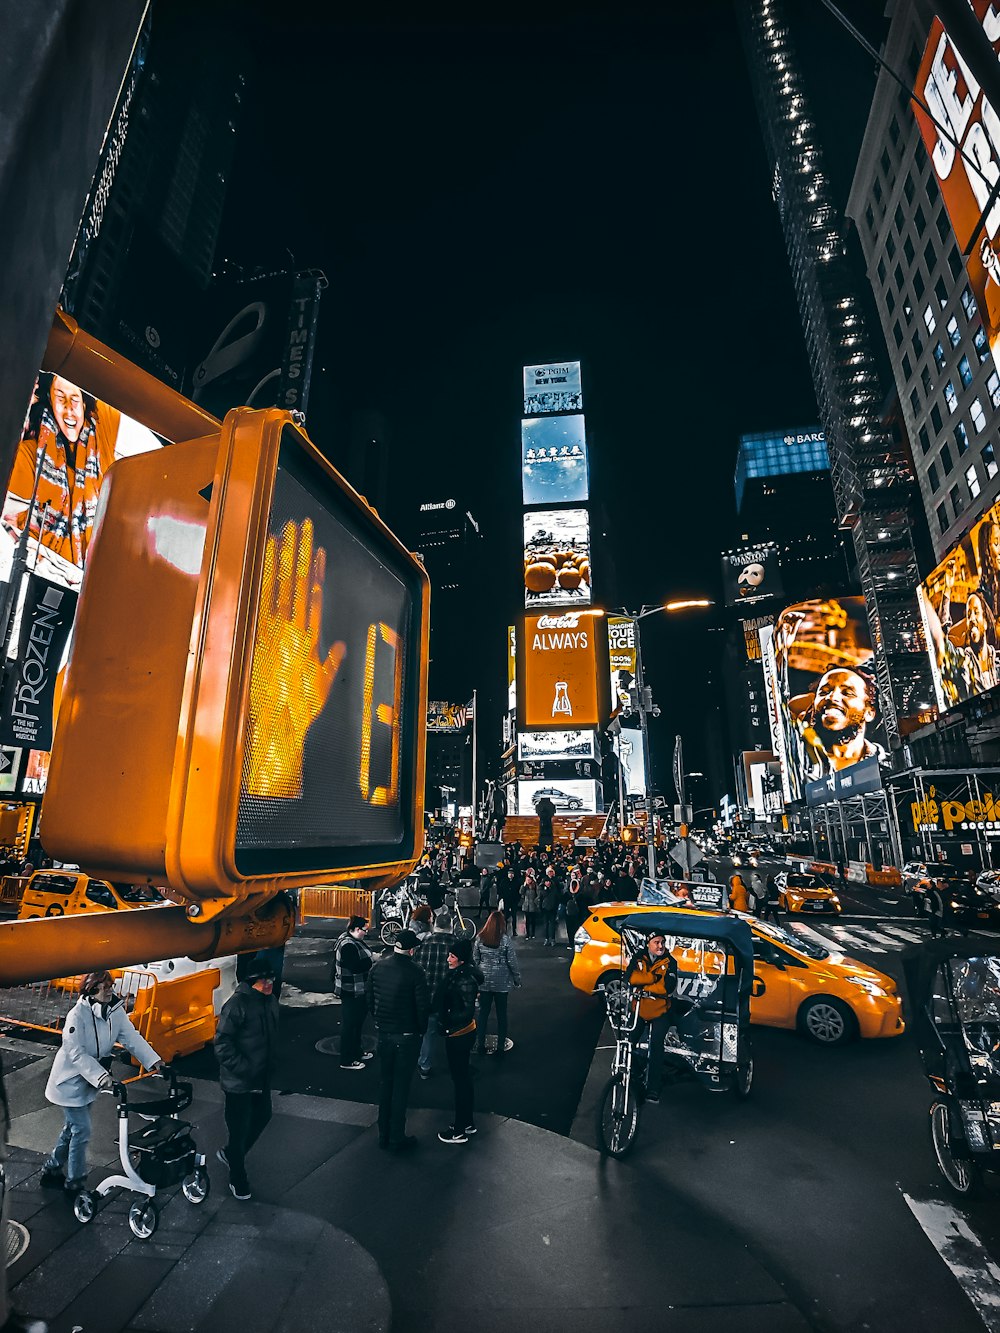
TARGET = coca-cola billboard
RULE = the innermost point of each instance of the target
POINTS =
(557, 672)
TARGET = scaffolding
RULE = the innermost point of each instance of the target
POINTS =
(948, 814)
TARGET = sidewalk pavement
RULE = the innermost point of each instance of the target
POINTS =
(342, 1238)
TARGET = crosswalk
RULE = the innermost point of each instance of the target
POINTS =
(847, 937)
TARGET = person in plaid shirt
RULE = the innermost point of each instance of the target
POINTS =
(432, 955)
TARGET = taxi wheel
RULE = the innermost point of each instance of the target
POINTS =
(827, 1021)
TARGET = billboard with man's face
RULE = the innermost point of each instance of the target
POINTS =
(959, 605)
(818, 664)
(965, 153)
(751, 575)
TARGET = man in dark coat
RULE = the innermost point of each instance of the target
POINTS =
(545, 811)
(352, 961)
(399, 998)
(246, 1047)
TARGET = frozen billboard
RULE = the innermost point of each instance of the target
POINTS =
(553, 460)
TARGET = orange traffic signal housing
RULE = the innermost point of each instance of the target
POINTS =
(246, 698)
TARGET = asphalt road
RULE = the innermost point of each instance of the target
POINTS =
(826, 1171)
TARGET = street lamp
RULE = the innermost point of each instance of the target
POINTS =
(644, 702)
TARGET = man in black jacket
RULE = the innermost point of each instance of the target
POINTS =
(454, 1002)
(352, 961)
(399, 998)
(432, 956)
(246, 1047)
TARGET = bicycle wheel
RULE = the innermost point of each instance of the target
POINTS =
(617, 1118)
(389, 931)
(465, 929)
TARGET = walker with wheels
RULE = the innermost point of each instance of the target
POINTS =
(160, 1154)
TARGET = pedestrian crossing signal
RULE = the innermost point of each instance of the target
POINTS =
(245, 702)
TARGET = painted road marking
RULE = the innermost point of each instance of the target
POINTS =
(962, 1250)
(908, 936)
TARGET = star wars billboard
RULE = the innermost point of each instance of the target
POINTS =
(751, 574)
(959, 604)
(821, 694)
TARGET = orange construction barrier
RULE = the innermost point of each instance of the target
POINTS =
(330, 900)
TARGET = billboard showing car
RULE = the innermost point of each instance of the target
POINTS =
(556, 558)
(822, 698)
(553, 460)
(963, 143)
(570, 796)
(557, 672)
(553, 387)
(959, 605)
(751, 574)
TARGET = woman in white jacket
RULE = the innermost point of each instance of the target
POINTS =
(93, 1027)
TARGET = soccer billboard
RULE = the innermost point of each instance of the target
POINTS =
(751, 574)
(965, 152)
(959, 605)
(537, 746)
(556, 558)
(570, 796)
(554, 387)
(553, 460)
(821, 693)
(557, 673)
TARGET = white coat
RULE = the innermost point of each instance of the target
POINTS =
(87, 1039)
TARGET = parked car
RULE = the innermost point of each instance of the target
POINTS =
(937, 877)
(826, 996)
(989, 882)
(799, 892)
(562, 800)
(915, 872)
(65, 892)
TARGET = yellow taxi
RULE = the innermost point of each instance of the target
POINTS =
(65, 892)
(805, 893)
(826, 996)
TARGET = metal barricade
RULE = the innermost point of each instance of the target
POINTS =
(329, 900)
(43, 1006)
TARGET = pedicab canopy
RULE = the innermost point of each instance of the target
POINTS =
(729, 932)
(952, 984)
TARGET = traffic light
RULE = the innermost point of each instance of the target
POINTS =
(246, 698)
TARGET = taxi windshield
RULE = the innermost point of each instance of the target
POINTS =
(782, 936)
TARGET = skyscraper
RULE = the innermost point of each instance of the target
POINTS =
(872, 477)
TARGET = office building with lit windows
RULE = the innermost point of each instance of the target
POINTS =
(948, 384)
(872, 479)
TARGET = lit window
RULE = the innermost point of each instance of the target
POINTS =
(978, 415)
(939, 356)
(965, 370)
(969, 304)
(989, 461)
(993, 389)
(951, 397)
(929, 320)
(954, 334)
(973, 480)
(942, 516)
(982, 346)
(961, 438)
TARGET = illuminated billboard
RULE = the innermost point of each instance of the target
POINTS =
(570, 796)
(553, 460)
(965, 153)
(630, 753)
(555, 387)
(557, 673)
(556, 558)
(751, 574)
(959, 605)
(511, 668)
(621, 659)
(535, 746)
(821, 693)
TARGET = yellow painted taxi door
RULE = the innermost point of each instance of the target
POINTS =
(773, 1007)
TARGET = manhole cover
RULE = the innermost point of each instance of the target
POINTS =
(15, 1241)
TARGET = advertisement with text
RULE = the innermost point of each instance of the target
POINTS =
(621, 659)
(818, 667)
(557, 558)
(553, 460)
(959, 605)
(555, 387)
(557, 669)
(751, 575)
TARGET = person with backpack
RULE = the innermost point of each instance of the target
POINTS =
(494, 954)
(352, 961)
(454, 1008)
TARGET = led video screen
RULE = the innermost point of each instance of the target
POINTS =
(821, 691)
(571, 796)
(556, 558)
(553, 460)
(540, 745)
(959, 605)
(751, 575)
(555, 387)
(328, 718)
(557, 673)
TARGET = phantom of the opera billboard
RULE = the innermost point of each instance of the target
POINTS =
(553, 460)
(820, 687)
(751, 574)
(964, 147)
(557, 673)
(556, 558)
(959, 605)
(555, 387)
(68, 442)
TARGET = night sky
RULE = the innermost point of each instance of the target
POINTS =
(489, 192)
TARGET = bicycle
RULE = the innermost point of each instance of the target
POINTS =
(464, 929)
(618, 1109)
(400, 904)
